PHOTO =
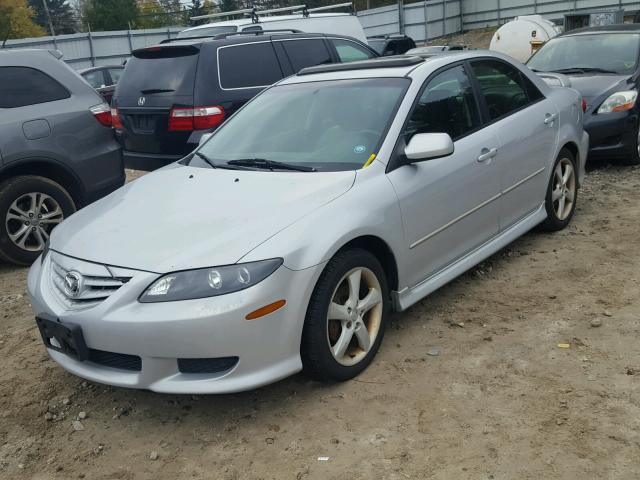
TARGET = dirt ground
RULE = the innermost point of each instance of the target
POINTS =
(501, 400)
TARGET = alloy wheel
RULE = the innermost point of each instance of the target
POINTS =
(354, 316)
(563, 193)
(30, 219)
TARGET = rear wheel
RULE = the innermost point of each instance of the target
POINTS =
(346, 317)
(562, 192)
(30, 207)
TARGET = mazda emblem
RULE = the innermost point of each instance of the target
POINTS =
(73, 284)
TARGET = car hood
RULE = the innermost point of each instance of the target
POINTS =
(184, 217)
(592, 87)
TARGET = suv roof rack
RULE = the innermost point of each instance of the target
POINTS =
(255, 14)
(392, 62)
(221, 36)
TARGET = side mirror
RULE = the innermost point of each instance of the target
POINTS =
(426, 146)
(204, 138)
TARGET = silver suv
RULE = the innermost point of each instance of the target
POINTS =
(57, 149)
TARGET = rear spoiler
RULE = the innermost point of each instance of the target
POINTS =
(555, 79)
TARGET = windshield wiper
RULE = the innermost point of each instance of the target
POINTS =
(156, 90)
(269, 164)
(216, 165)
(583, 70)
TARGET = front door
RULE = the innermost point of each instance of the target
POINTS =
(449, 205)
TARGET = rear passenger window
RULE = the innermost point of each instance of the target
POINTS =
(350, 51)
(20, 86)
(306, 53)
(504, 88)
(447, 105)
(246, 66)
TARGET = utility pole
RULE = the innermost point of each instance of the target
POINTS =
(46, 10)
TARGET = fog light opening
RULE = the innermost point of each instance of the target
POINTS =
(266, 310)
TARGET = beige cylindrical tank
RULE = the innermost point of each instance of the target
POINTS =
(522, 36)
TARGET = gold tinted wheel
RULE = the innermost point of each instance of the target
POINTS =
(354, 316)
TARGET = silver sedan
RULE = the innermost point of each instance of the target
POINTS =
(284, 240)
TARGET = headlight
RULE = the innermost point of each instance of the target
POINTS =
(208, 282)
(619, 101)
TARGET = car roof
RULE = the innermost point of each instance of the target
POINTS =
(245, 37)
(386, 67)
(617, 28)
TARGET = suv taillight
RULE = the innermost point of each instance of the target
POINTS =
(102, 113)
(115, 119)
(196, 118)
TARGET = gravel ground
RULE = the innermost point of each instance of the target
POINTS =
(469, 384)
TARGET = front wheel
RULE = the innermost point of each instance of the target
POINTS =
(634, 153)
(562, 192)
(346, 317)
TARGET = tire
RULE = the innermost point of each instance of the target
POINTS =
(634, 153)
(560, 209)
(30, 207)
(326, 353)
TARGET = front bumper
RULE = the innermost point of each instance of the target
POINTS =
(268, 348)
(611, 135)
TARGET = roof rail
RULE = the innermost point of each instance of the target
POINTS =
(220, 36)
(254, 13)
(224, 14)
(390, 62)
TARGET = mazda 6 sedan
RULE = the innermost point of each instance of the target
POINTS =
(282, 243)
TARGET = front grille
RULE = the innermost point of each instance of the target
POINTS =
(96, 288)
(206, 365)
(120, 361)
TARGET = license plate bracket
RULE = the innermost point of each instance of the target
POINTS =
(68, 337)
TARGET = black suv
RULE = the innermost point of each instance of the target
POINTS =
(393, 44)
(173, 93)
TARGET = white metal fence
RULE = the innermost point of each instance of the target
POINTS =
(83, 50)
(421, 20)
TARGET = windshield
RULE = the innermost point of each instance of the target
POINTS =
(613, 52)
(330, 126)
(207, 32)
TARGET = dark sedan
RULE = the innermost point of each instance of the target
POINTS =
(602, 64)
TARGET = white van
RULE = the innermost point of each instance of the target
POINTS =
(306, 21)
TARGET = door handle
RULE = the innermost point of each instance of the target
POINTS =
(486, 154)
(550, 118)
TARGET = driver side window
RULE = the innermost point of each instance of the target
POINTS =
(447, 105)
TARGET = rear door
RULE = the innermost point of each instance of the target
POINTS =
(155, 80)
(527, 125)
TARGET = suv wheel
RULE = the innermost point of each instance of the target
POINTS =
(346, 317)
(30, 207)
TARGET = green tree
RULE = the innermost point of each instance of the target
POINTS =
(104, 15)
(62, 15)
(16, 20)
(151, 14)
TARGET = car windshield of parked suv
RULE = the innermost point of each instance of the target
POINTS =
(586, 53)
(330, 126)
(207, 32)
